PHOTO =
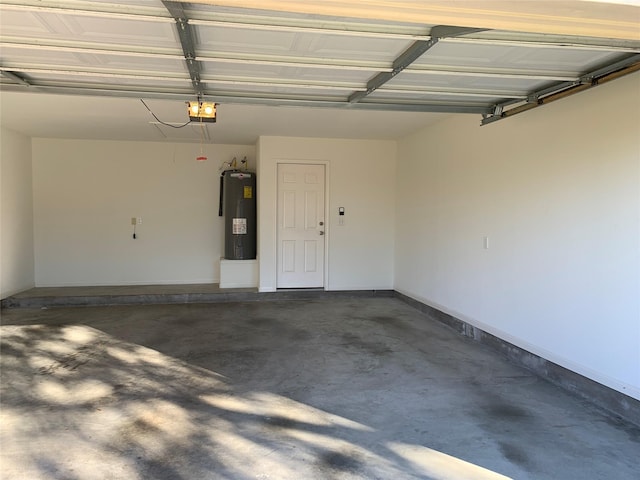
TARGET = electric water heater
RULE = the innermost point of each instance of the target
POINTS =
(238, 206)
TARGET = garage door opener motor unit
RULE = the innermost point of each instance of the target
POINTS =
(238, 206)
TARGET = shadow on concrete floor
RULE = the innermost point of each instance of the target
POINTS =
(345, 389)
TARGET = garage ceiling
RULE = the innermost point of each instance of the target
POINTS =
(170, 52)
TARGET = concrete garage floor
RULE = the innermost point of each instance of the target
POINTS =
(346, 388)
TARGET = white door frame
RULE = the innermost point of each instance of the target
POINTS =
(327, 229)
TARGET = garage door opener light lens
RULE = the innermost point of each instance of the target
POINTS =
(202, 111)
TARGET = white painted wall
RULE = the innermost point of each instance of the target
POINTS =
(557, 191)
(360, 178)
(85, 193)
(16, 208)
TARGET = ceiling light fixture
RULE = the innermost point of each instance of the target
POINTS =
(202, 111)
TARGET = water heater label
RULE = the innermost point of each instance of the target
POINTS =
(239, 226)
(248, 192)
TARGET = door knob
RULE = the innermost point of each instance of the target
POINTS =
(321, 232)
(321, 223)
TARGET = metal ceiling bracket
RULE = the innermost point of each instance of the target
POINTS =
(185, 34)
(410, 55)
(16, 78)
(564, 89)
(533, 98)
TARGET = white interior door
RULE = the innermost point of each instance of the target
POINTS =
(301, 226)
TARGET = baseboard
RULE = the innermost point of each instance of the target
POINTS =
(196, 281)
(606, 398)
